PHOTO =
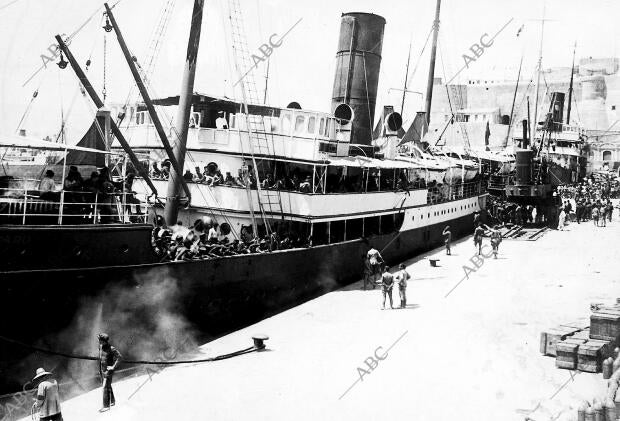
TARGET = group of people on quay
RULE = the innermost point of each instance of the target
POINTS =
(209, 239)
(47, 405)
(588, 201)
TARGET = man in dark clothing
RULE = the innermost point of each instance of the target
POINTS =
(109, 358)
(387, 283)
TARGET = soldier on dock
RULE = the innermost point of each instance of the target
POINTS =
(402, 276)
(387, 283)
(478, 234)
(447, 239)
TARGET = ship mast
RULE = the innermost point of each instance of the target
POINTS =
(431, 71)
(570, 88)
(147, 100)
(182, 119)
(535, 122)
(402, 104)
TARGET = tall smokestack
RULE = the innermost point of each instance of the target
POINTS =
(358, 61)
(557, 110)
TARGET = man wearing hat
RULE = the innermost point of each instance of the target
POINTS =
(109, 358)
(48, 397)
(220, 121)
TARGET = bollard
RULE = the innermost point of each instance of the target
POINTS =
(259, 341)
(608, 368)
(581, 411)
(599, 412)
(610, 410)
(616, 352)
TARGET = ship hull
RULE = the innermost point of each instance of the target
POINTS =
(211, 296)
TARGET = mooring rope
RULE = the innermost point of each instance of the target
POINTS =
(142, 362)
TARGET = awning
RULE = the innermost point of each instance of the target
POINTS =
(364, 162)
(15, 141)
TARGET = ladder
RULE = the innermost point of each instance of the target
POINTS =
(458, 103)
(260, 142)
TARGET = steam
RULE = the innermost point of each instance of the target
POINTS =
(144, 319)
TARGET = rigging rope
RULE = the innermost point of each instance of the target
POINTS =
(105, 64)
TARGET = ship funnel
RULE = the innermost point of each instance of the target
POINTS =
(358, 60)
(557, 111)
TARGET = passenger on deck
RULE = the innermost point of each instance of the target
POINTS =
(229, 179)
(188, 176)
(268, 182)
(165, 170)
(47, 186)
(212, 235)
(220, 121)
(306, 186)
(198, 175)
(155, 172)
(73, 181)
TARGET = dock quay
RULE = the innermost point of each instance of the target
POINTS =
(471, 355)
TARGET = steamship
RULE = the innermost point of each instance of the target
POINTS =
(355, 202)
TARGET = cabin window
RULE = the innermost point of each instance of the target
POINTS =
(613, 107)
(606, 155)
(233, 121)
(336, 231)
(300, 123)
(372, 225)
(327, 126)
(387, 224)
(286, 124)
(311, 124)
(320, 233)
(355, 228)
(322, 126)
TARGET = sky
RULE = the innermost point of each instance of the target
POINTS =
(301, 69)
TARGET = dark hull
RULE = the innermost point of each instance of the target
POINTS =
(65, 308)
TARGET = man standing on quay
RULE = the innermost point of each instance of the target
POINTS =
(109, 358)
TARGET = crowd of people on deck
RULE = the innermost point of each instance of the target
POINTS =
(298, 180)
(208, 239)
(99, 188)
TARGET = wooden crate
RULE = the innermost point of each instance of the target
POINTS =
(567, 351)
(582, 334)
(550, 337)
(605, 325)
(591, 354)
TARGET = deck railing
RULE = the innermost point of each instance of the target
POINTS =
(450, 192)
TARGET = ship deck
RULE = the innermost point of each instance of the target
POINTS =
(472, 355)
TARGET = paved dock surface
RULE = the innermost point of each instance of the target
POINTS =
(473, 355)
